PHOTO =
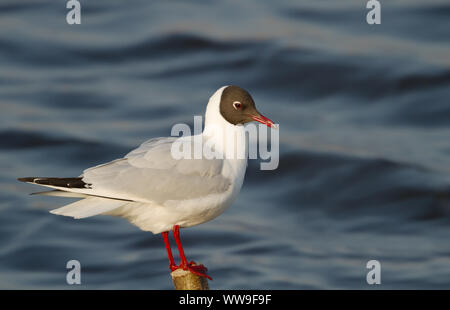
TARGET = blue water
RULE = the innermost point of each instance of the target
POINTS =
(364, 127)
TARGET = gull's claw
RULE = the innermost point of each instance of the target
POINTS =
(199, 270)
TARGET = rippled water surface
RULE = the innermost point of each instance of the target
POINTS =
(364, 117)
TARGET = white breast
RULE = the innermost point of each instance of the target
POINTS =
(228, 140)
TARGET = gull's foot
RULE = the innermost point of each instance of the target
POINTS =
(173, 267)
(199, 270)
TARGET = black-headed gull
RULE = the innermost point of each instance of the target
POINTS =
(157, 192)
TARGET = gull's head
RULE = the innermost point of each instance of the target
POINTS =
(236, 106)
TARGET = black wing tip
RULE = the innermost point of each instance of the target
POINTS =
(59, 182)
(27, 179)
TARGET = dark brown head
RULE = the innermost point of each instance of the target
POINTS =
(238, 107)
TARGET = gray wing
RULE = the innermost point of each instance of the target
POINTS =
(150, 173)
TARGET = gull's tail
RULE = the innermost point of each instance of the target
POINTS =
(90, 205)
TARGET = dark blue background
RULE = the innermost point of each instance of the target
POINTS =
(364, 119)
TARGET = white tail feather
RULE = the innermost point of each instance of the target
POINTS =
(89, 206)
(58, 193)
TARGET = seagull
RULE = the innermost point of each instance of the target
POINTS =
(157, 192)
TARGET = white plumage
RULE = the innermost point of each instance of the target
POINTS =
(154, 191)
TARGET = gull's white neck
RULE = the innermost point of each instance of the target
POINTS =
(226, 136)
(228, 139)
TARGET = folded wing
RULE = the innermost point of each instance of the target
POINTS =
(150, 174)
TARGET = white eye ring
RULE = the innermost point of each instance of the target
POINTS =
(237, 105)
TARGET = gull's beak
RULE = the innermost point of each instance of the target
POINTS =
(263, 120)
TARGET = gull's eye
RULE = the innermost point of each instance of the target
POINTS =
(237, 105)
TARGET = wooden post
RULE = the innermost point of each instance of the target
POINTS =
(186, 280)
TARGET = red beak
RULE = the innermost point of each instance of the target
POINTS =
(264, 120)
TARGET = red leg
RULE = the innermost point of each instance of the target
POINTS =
(172, 265)
(199, 270)
(176, 235)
